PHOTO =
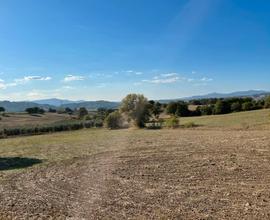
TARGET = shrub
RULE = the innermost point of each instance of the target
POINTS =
(82, 112)
(114, 120)
(35, 110)
(189, 125)
(247, 106)
(172, 122)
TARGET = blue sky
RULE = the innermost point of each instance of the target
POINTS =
(105, 49)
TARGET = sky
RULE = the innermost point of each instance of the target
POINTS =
(105, 49)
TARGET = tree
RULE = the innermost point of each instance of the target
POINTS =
(2, 109)
(135, 107)
(35, 110)
(236, 107)
(114, 120)
(182, 110)
(247, 106)
(82, 112)
(221, 107)
(172, 108)
(69, 111)
(206, 110)
(51, 110)
(155, 108)
(267, 102)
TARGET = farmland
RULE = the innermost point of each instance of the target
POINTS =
(18, 120)
(141, 174)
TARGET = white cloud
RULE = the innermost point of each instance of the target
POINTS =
(22, 81)
(169, 74)
(31, 78)
(163, 80)
(2, 85)
(71, 78)
(205, 79)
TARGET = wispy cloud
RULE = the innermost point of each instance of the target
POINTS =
(167, 78)
(205, 79)
(70, 78)
(22, 81)
(163, 78)
(32, 78)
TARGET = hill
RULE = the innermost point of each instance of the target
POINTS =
(56, 102)
(21, 106)
(93, 105)
(249, 93)
(249, 119)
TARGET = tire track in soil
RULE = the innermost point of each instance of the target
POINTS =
(72, 190)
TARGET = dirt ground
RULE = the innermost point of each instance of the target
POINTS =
(166, 174)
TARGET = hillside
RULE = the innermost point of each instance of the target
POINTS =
(21, 106)
(249, 119)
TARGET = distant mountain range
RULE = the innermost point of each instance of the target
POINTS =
(61, 103)
(249, 93)
(56, 102)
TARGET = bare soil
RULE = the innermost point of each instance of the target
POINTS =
(166, 174)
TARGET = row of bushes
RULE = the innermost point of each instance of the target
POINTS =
(49, 129)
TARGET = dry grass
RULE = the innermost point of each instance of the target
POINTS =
(241, 120)
(138, 174)
(16, 120)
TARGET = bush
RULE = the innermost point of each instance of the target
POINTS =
(114, 120)
(172, 122)
(189, 125)
(35, 110)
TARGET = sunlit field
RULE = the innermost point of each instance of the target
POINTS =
(140, 173)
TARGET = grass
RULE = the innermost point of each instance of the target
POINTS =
(140, 173)
(19, 120)
(240, 120)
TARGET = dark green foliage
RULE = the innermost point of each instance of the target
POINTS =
(247, 106)
(222, 107)
(267, 102)
(35, 110)
(51, 110)
(178, 109)
(69, 111)
(206, 109)
(82, 112)
(236, 107)
(2, 109)
(70, 126)
(155, 109)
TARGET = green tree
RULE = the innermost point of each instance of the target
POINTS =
(2, 109)
(206, 110)
(82, 112)
(267, 102)
(236, 107)
(221, 107)
(35, 110)
(171, 108)
(247, 106)
(182, 110)
(155, 109)
(114, 120)
(135, 106)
